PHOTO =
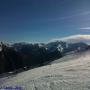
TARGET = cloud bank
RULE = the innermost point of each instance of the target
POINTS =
(74, 39)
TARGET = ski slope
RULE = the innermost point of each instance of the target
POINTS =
(67, 75)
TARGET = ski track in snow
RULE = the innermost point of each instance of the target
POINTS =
(68, 75)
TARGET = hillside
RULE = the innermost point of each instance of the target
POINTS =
(27, 55)
(68, 75)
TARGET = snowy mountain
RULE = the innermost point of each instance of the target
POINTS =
(65, 47)
(20, 55)
(59, 45)
(66, 64)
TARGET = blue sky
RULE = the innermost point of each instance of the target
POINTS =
(43, 20)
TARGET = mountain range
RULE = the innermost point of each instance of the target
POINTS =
(27, 55)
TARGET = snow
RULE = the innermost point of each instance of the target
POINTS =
(67, 75)
(60, 48)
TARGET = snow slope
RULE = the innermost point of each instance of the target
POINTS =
(67, 75)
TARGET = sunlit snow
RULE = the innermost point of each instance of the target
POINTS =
(67, 75)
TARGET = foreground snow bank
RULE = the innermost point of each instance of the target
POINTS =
(69, 75)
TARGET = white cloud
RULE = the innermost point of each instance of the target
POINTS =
(85, 28)
(74, 38)
(76, 15)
